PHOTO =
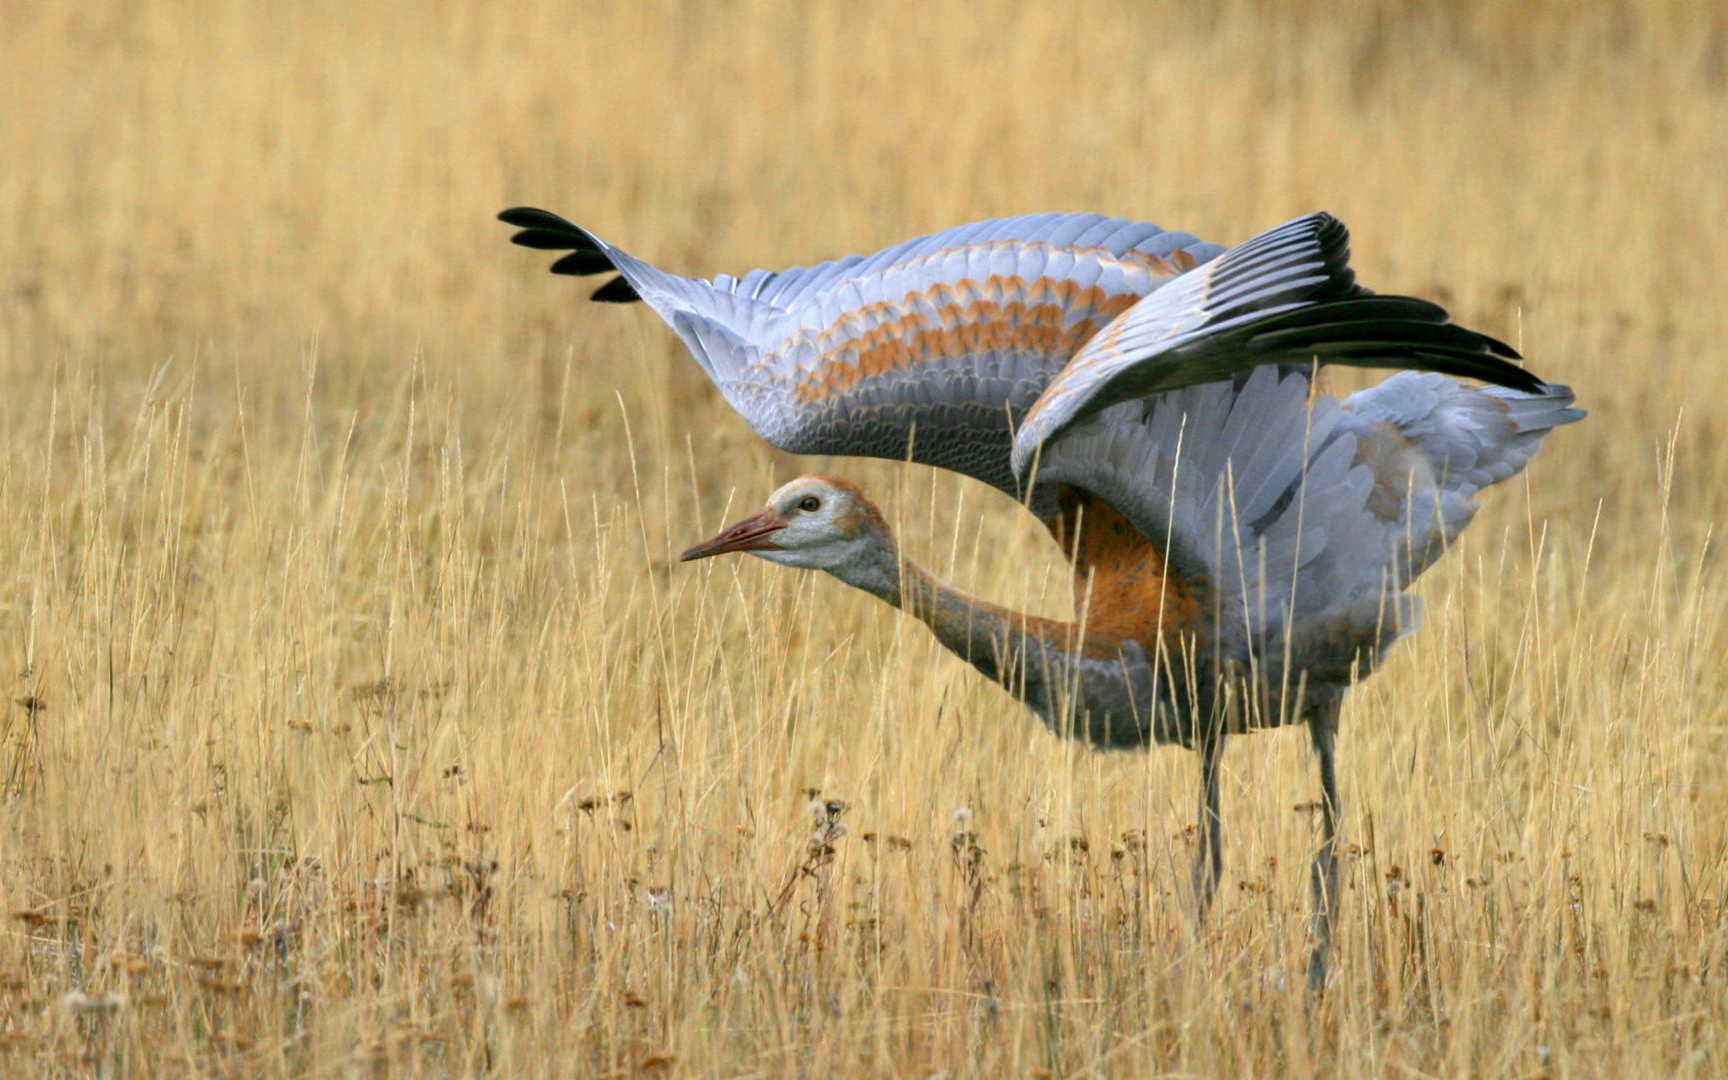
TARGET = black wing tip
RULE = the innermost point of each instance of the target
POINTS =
(547, 231)
(1484, 366)
(1361, 330)
(616, 291)
(1522, 379)
(1333, 238)
(1323, 230)
(547, 239)
(582, 262)
(532, 217)
(1498, 347)
(1473, 364)
(1491, 369)
(1317, 236)
(1330, 230)
(543, 230)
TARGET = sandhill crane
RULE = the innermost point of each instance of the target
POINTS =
(1241, 543)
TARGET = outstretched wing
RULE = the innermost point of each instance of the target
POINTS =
(929, 350)
(1286, 296)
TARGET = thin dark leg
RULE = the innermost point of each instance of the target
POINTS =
(1323, 729)
(1209, 857)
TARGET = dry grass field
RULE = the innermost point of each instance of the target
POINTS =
(357, 721)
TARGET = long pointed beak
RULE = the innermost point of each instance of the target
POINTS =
(751, 534)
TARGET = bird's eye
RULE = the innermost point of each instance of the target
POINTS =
(809, 503)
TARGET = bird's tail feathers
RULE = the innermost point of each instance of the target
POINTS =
(1534, 413)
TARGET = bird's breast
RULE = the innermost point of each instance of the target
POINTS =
(1125, 588)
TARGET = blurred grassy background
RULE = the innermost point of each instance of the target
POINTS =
(356, 719)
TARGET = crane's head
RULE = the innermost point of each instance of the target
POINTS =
(815, 523)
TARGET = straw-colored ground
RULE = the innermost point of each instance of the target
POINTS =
(356, 719)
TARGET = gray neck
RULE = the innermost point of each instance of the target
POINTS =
(1107, 696)
(904, 584)
(877, 572)
(979, 632)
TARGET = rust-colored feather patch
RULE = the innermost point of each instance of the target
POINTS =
(1397, 466)
(1122, 578)
(950, 320)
